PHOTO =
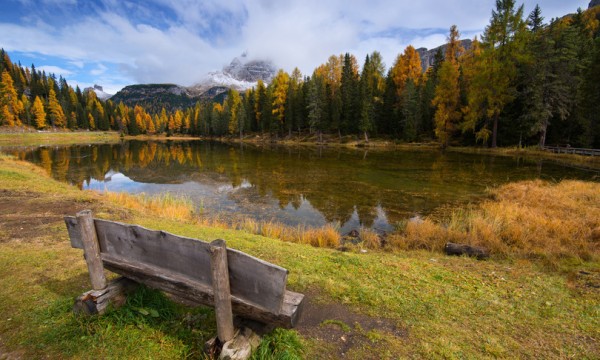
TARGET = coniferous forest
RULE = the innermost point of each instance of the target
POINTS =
(526, 81)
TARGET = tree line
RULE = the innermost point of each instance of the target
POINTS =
(524, 82)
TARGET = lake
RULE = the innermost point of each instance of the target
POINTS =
(294, 185)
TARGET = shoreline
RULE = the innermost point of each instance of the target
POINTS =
(15, 138)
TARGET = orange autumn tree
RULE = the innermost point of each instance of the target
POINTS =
(447, 91)
(407, 66)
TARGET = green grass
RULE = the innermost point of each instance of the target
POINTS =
(279, 344)
(451, 307)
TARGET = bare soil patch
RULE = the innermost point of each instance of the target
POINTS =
(26, 216)
(335, 324)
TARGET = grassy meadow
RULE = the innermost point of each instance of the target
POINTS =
(537, 297)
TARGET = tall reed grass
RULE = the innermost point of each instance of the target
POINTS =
(163, 205)
(529, 218)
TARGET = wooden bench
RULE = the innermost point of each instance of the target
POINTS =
(197, 271)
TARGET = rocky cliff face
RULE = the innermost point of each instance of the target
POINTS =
(241, 74)
(428, 56)
(250, 71)
(99, 92)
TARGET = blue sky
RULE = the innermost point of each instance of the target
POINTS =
(115, 43)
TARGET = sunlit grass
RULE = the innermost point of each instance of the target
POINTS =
(325, 236)
(529, 218)
(164, 205)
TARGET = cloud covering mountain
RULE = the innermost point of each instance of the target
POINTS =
(119, 42)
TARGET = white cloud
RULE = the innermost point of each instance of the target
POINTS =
(99, 70)
(77, 63)
(52, 69)
(205, 35)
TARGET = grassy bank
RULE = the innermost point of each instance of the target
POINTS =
(27, 138)
(423, 304)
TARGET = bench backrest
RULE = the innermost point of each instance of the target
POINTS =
(252, 280)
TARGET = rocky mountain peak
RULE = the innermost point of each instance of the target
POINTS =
(428, 56)
(241, 74)
(251, 71)
(99, 90)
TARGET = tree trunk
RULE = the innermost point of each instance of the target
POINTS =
(495, 132)
(543, 134)
(366, 137)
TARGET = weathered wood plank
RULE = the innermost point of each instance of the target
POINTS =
(74, 233)
(258, 282)
(220, 283)
(199, 293)
(97, 301)
(91, 249)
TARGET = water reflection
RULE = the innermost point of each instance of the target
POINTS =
(291, 185)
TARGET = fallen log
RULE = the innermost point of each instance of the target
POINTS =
(463, 249)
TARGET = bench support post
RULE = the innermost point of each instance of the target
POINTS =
(91, 249)
(222, 295)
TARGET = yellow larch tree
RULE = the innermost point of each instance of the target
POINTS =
(178, 120)
(407, 66)
(10, 105)
(92, 122)
(150, 128)
(281, 82)
(56, 114)
(234, 102)
(39, 114)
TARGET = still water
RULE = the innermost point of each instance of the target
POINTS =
(311, 186)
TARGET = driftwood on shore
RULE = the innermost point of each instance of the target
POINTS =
(463, 249)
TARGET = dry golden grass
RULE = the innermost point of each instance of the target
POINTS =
(325, 236)
(249, 225)
(181, 208)
(163, 205)
(369, 238)
(529, 218)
